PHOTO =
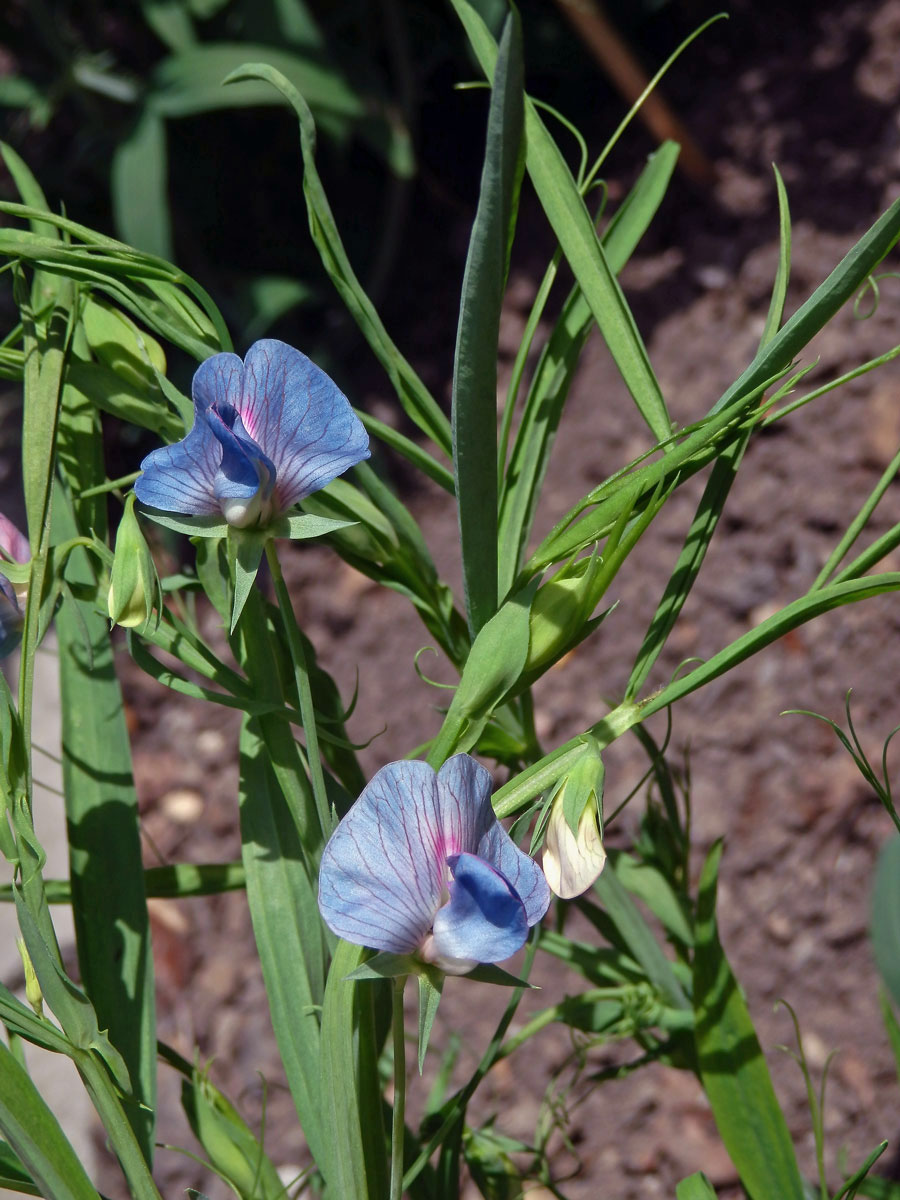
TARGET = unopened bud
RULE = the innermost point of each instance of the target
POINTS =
(560, 610)
(573, 844)
(134, 584)
(33, 993)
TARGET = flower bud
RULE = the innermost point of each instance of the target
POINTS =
(134, 585)
(560, 610)
(33, 993)
(573, 845)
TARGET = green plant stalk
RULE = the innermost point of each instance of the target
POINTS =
(304, 691)
(118, 1129)
(521, 360)
(858, 524)
(464, 1095)
(399, 1116)
(517, 794)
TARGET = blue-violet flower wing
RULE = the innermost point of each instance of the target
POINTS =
(300, 419)
(382, 875)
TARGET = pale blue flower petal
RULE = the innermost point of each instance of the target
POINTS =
(218, 380)
(485, 920)
(464, 788)
(300, 419)
(181, 477)
(382, 875)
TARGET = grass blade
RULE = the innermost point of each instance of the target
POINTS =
(557, 364)
(732, 1067)
(474, 408)
(565, 209)
(357, 1160)
(138, 180)
(34, 1134)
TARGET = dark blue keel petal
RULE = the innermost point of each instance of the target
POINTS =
(485, 919)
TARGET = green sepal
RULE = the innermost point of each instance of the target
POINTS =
(389, 966)
(295, 525)
(386, 966)
(299, 526)
(583, 784)
(211, 526)
(491, 973)
(431, 981)
(245, 550)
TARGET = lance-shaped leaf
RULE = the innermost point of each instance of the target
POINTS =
(732, 1067)
(474, 410)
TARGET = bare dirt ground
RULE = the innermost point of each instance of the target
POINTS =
(816, 91)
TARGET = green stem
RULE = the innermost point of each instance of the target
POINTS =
(397, 1124)
(304, 691)
(116, 1125)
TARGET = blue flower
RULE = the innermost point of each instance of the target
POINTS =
(11, 618)
(13, 546)
(267, 432)
(420, 865)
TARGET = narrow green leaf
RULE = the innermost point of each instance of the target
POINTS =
(108, 900)
(565, 209)
(637, 936)
(782, 275)
(417, 402)
(139, 185)
(851, 1186)
(430, 984)
(282, 900)
(356, 1162)
(474, 406)
(112, 926)
(718, 487)
(13, 1174)
(831, 295)
(36, 1138)
(732, 1067)
(190, 83)
(558, 362)
(884, 928)
(651, 886)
